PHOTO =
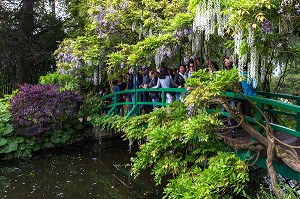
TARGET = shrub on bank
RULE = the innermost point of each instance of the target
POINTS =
(40, 108)
(38, 116)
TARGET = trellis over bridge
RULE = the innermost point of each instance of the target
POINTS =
(274, 105)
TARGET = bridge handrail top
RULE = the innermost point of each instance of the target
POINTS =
(267, 101)
(279, 95)
(180, 90)
(291, 107)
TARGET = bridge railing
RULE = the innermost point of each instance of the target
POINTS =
(266, 105)
(136, 103)
(290, 99)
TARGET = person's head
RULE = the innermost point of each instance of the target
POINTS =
(141, 70)
(187, 68)
(228, 63)
(152, 74)
(131, 71)
(181, 69)
(170, 71)
(191, 66)
(120, 78)
(115, 82)
(163, 72)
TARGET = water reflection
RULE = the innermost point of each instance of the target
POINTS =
(86, 170)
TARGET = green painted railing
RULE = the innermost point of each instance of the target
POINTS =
(267, 105)
(135, 111)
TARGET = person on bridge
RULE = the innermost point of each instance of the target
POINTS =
(248, 89)
(119, 97)
(166, 81)
(179, 79)
(144, 96)
(153, 95)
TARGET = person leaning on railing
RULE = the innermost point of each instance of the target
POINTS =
(118, 98)
(248, 89)
(165, 81)
(153, 82)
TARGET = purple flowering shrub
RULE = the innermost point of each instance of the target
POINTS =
(41, 108)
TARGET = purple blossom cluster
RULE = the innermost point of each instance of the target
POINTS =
(104, 27)
(164, 52)
(266, 26)
(297, 7)
(40, 108)
(69, 58)
(183, 33)
(289, 6)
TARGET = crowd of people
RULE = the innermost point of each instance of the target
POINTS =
(164, 77)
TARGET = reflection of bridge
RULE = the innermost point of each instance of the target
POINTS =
(284, 121)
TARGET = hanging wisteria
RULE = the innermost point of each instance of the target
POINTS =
(105, 26)
(67, 60)
(238, 38)
(250, 38)
(207, 16)
(242, 64)
(162, 53)
(263, 70)
(253, 69)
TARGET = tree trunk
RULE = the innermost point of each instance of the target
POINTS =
(24, 61)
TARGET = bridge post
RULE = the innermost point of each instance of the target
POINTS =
(163, 98)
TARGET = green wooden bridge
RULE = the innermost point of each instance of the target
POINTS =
(278, 105)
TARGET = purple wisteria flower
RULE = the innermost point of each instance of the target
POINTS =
(266, 26)
(297, 6)
(122, 65)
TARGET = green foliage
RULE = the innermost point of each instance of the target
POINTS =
(288, 85)
(208, 85)
(91, 105)
(6, 127)
(223, 171)
(66, 81)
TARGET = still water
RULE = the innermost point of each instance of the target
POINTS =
(86, 170)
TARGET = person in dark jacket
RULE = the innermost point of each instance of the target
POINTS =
(153, 95)
(179, 79)
(144, 96)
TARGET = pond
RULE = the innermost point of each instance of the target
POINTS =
(92, 169)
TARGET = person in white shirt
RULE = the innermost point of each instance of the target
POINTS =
(165, 81)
